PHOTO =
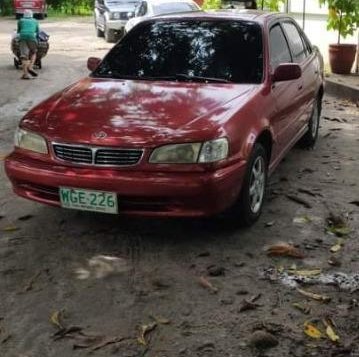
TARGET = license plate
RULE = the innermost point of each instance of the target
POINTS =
(88, 200)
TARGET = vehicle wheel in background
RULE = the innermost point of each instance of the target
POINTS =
(249, 205)
(310, 137)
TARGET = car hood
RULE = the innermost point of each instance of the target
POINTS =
(130, 113)
(126, 7)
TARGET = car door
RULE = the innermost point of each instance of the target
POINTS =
(304, 56)
(284, 94)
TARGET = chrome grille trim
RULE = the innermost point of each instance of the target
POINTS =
(97, 155)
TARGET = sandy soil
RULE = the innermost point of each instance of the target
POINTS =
(198, 287)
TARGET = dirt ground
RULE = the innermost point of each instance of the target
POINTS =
(193, 287)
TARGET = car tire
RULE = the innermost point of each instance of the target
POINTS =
(248, 208)
(109, 36)
(309, 139)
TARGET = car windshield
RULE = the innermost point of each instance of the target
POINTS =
(170, 7)
(188, 50)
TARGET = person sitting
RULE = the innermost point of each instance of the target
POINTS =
(28, 30)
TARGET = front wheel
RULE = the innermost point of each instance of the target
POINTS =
(110, 35)
(250, 203)
(310, 137)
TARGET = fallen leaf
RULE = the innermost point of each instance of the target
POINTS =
(312, 272)
(10, 229)
(284, 249)
(144, 330)
(312, 331)
(270, 224)
(161, 320)
(301, 307)
(314, 296)
(206, 284)
(55, 319)
(335, 248)
(302, 219)
(329, 330)
(339, 231)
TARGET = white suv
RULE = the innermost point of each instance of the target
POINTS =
(111, 17)
(150, 8)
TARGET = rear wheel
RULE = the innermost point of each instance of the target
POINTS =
(310, 137)
(250, 203)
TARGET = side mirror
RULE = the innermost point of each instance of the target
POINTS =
(93, 63)
(130, 15)
(287, 72)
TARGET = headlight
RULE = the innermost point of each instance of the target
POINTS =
(115, 15)
(30, 141)
(176, 154)
(209, 151)
(214, 150)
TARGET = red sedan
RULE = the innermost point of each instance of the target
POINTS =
(186, 116)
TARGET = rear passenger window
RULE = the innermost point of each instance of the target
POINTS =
(278, 47)
(296, 45)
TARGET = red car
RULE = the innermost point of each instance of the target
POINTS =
(38, 7)
(185, 116)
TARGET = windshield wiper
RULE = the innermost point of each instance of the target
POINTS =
(189, 77)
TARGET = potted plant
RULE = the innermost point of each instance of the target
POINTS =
(343, 17)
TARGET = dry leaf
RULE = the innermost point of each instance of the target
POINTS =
(312, 272)
(335, 248)
(284, 249)
(312, 331)
(314, 296)
(145, 329)
(56, 319)
(10, 229)
(160, 320)
(330, 331)
(303, 308)
(206, 284)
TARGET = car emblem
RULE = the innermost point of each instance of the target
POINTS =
(99, 135)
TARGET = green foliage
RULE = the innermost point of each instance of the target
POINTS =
(272, 5)
(6, 7)
(71, 7)
(211, 4)
(343, 16)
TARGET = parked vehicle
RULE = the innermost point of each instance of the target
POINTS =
(111, 17)
(38, 7)
(175, 120)
(150, 8)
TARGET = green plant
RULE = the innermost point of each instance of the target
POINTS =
(211, 4)
(343, 16)
(272, 5)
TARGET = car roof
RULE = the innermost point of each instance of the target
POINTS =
(233, 14)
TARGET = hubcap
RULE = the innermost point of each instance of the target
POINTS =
(315, 118)
(257, 184)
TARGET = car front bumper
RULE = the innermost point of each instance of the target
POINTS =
(116, 25)
(186, 194)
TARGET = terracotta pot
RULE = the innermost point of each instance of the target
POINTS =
(341, 57)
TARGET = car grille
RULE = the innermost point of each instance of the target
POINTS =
(97, 155)
(123, 15)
